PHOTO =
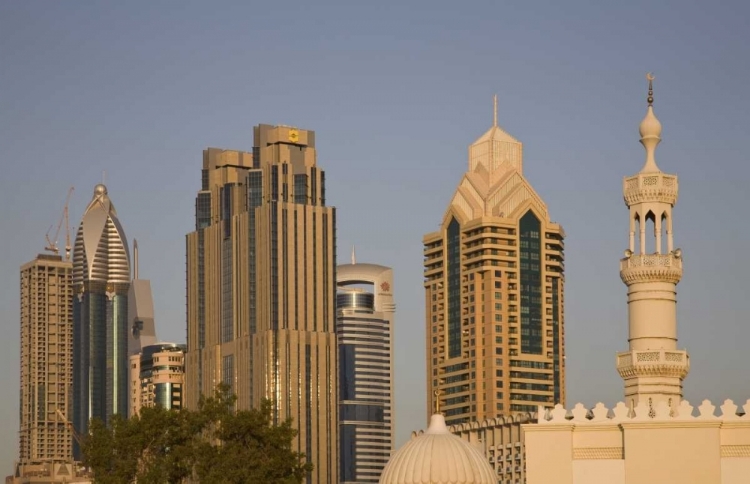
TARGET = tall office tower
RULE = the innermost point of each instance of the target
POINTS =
(365, 313)
(101, 280)
(142, 331)
(157, 377)
(261, 283)
(494, 291)
(46, 359)
(653, 367)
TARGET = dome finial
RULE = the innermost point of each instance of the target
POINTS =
(650, 130)
(437, 402)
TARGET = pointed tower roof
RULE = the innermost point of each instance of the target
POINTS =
(496, 150)
(495, 132)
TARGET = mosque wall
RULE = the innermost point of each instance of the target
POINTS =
(638, 445)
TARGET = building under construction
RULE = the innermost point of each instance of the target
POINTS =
(45, 433)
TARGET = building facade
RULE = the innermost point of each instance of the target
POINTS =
(142, 330)
(365, 316)
(501, 441)
(261, 287)
(46, 360)
(654, 435)
(157, 377)
(494, 288)
(101, 280)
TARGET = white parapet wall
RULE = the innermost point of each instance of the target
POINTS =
(639, 445)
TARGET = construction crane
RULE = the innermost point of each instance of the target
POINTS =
(68, 424)
(52, 245)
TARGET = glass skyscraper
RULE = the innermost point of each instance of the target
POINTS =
(101, 279)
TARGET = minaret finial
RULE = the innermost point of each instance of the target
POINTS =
(650, 98)
(354, 255)
(437, 401)
(650, 130)
(494, 112)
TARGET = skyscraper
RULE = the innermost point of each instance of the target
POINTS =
(261, 286)
(101, 279)
(46, 359)
(493, 277)
(365, 316)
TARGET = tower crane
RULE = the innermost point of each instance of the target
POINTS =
(68, 424)
(52, 245)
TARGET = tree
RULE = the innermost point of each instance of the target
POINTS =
(215, 444)
(244, 446)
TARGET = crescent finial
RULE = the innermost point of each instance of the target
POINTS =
(650, 77)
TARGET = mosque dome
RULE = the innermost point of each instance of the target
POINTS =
(438, 457)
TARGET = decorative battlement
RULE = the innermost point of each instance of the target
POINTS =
(650, 187)
(651, 268)
(642, 412)
(647, 363)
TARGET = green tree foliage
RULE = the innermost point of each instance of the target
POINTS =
(213, 444)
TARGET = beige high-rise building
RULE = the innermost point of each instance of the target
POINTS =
(261, 287)
(46, 360)
(494, 289)
(157, 377)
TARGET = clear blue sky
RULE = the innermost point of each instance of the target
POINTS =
(396, 91)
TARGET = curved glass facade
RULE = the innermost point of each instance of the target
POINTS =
(101, 279)
(161, 375)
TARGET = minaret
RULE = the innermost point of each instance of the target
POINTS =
(653, 368)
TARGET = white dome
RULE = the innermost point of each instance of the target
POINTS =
(438, 457)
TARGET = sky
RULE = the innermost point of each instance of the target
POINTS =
(396, 92)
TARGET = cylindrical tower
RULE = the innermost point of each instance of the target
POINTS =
(653, 368)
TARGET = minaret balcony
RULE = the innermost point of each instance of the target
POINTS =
(651, 268)
(650, 187)
(653, 363)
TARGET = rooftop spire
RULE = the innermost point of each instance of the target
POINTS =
(650, 130)
(135, 259)
(494, 112)
(354, 255)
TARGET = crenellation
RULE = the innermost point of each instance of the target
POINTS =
(707, 410)
(642, 411)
